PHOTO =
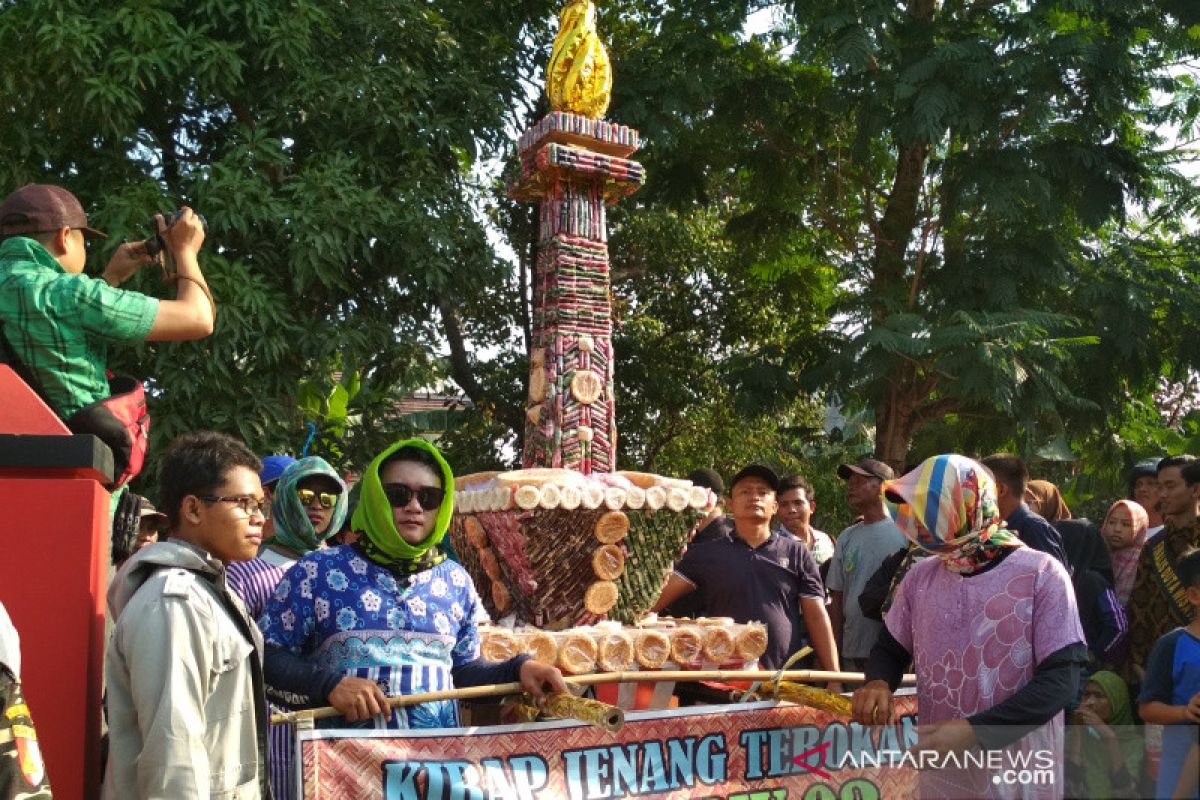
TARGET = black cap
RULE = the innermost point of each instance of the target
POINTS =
(709, 478)
(756, 471)
(1147, 468)
(868, 468)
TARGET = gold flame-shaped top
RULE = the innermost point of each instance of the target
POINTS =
(579, 78)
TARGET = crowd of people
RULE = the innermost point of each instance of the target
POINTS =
(1014, 616)
(261, 584)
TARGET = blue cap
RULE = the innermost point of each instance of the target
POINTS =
(273, 467)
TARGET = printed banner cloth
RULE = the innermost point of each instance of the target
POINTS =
(750, 751)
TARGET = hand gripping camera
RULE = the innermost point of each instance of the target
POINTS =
(155, 244)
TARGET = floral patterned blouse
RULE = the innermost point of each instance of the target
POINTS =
(344, 612)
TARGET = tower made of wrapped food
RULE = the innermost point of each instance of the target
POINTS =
(569, 539)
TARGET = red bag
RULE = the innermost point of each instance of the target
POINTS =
(122, 422)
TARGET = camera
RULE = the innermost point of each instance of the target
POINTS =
(155, 244)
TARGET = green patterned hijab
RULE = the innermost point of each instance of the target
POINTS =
(383, 543)
(293, 529)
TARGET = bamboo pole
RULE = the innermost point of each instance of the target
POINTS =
(654, 676)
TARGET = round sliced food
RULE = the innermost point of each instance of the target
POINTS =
(527, 497)
(569, 497)
(586, 386)
(614, 498)
(635, 497)
(540, 645)
(608, 562)
(614, 651)
(576, 653)
(550, 495)
(656, 498)
(718, 645)
(651, 649)
(593, 495)
(686, 645)
(612, 527)
(751, 643)
(600, 597)
(677, 499)
(498, 644)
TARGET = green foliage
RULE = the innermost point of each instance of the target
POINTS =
(331, 147)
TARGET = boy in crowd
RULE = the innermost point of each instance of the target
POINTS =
(1170, 693)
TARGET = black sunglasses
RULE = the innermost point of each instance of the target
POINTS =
(400, 495)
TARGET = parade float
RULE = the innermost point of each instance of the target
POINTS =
(569, 553)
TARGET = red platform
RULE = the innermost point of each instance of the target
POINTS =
(54, 577)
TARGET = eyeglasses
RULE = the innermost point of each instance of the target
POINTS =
(328, 499)
(246, 502)
(399, 495)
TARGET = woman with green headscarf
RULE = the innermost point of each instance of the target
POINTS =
(389, 614)
(1104, 748)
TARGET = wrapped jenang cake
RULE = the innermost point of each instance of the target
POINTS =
(554, 549)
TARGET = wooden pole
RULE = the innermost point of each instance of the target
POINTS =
(657, 676)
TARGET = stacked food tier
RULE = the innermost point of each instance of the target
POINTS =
(556, 549)
(651, 645)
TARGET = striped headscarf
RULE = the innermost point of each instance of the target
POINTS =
(947, 505)
(293, 529)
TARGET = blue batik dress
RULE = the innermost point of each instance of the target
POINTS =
(345, 613)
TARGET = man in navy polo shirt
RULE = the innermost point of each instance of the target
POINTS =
(755, 574)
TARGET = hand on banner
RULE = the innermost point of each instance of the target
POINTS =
(954, 736)
(538, 678)
(872, 703)
(358, 699)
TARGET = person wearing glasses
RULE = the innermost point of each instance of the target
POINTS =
(390, 614)
(308, 506)
(187, 714)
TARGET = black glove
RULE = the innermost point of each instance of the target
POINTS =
(125, 524)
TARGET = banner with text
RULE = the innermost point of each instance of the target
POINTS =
(750, 751)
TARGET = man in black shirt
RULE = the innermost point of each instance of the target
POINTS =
(1012, 479)
(758, 575)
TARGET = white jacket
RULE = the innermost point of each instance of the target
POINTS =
(186, 715)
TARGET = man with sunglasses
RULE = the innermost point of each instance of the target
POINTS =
(390, 614)
(186, 708)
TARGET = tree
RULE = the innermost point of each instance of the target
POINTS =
(984, 143)
(332, 148)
